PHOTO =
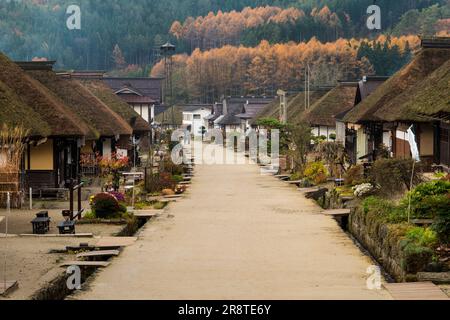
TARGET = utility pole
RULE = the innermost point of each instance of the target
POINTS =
(307, 87)
(283, 106)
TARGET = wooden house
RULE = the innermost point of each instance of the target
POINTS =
(252, 108)
(216, 112)
(108, 131)
(321, 116)
(418, 96)
(56, 133)
(141, 129)
(296, 106)
(353, 136)
(142, 94)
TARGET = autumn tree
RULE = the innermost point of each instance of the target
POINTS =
(119, 59)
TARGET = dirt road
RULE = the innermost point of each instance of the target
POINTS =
(238, 235)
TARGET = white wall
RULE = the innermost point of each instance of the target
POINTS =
(145, 111)
(107, 149)
(189, 119)
(318, 131)
(361, 144)
(340, 132)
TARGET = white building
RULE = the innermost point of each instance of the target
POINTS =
(194, 118)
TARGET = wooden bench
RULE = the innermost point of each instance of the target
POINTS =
(7, 287)
(96, 264)
(147, 213)
(341, 215)
(337, 212)
(422, 222)
(98, 254)
(415, 291)
(109, 242)
(175, 196)
(295, 182)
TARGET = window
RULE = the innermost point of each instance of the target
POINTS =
(197, 117)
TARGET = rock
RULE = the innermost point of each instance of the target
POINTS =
(435, 277)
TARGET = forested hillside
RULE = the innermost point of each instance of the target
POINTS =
(37, 28)
(230, 70)
(223, 46)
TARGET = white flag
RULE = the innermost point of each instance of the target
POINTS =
(413, 145)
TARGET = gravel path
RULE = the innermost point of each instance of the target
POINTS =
(238, 235)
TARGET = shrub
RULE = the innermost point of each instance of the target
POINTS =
(442, 220)
(158, 182)
(394, 175)
(416, 257)
(429, 199)
(354, 175)
(177, 178)
(296, 176)
(384, 210)
(316, 172)
(105, 205)
(172, 168)
(425, 237)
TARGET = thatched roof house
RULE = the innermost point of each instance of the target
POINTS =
(418, 96)
(101, 120)
(14, 112)
(387, 103)
(104, 93)
(28, 93)
(295, 107)
(430, 99)
(324, 111)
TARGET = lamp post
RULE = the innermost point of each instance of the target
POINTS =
(167, 51)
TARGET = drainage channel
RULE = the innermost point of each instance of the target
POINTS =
(57, 289)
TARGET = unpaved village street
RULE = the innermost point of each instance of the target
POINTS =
(238, 235)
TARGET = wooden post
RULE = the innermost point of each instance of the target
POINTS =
(71, 196)
(31, 198)
(79, 198)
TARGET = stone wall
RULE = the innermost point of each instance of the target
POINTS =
(380, 241)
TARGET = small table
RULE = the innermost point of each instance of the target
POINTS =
(67, 227)
(41, 225)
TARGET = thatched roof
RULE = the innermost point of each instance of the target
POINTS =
(107, 96)
(385, 104)
(431, 97)
(14, 112)
(102, 121)
(295, 107)
(324, 111)
(60, 120)
(165, 118)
